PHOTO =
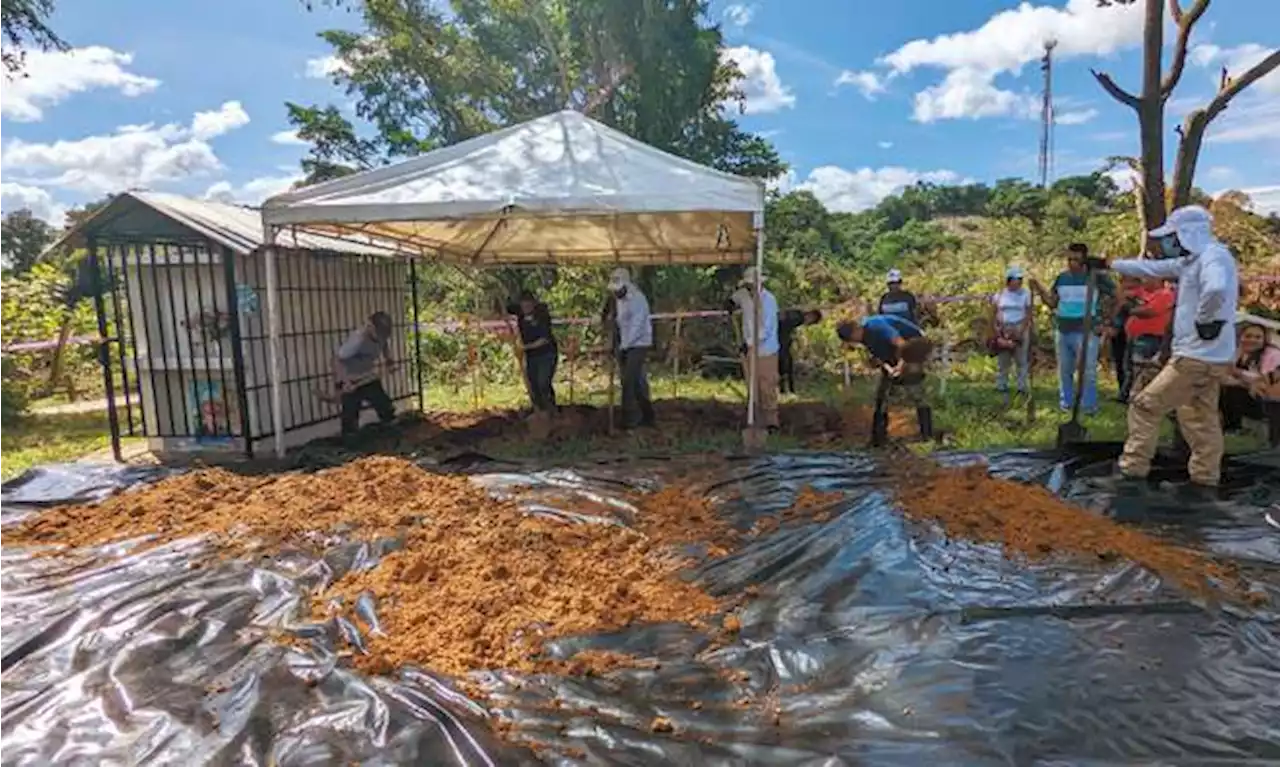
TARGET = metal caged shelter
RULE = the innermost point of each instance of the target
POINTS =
(178, 287)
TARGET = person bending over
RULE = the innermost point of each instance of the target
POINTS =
(900, 349)
(355, 372)
(788, 322)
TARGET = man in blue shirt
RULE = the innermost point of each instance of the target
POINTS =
(901, 350)
(1067, 297)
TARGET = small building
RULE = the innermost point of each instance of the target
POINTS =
(184, 329)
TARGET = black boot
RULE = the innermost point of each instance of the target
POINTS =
(880, 429)
(924, 415)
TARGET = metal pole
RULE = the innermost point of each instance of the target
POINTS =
(754, 351)
(417, 335)
(273, 342)
(237, 347)
(104, 350)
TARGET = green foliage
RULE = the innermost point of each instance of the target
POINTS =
(34, 308)
(424, 78)
(25, 24)
(23, 237)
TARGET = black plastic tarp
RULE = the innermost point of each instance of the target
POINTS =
(872, 641)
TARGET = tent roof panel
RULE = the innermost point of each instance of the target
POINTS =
(561, 163)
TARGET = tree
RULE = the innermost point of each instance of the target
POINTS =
(23, 237)
(1013, 197)
(25, 25)
(1157, 86)
(423, 78)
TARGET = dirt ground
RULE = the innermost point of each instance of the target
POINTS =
(680, 422)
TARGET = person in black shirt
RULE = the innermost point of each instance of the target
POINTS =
(788, 321)
(897, 302)
(540, 352)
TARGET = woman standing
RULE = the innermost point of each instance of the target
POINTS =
(1252, 390)
(1011, 321)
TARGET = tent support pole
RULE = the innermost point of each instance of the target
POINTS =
(273, 342)
(753, 359)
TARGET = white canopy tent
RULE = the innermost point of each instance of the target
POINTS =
(560, 189)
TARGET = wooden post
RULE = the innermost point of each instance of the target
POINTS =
(573, 364)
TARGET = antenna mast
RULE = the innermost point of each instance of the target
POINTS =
(1046, 114)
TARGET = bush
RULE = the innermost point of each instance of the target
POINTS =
(14, 393)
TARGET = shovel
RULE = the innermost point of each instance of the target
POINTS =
(1072, 431)
(1031, 358)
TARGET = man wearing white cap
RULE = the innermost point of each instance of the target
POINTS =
(1204, 345)
(898, 302)
(766, 343)
(634, 337)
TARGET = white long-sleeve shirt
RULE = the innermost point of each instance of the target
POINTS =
(1208, 290)
(768, 344)
(635, 329)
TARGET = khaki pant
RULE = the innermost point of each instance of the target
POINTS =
(1142, 374)
(1189, 387)
(767, 391)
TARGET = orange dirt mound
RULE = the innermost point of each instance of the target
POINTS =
(1029, 521)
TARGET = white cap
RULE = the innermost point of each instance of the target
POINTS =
(1013, 273)
(619, 278)
(894, 276)
(1187, 216)
(749, 276)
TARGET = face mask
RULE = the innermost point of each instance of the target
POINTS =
(1169, 247)
(620, 293)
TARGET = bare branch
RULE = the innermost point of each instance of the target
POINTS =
(1117, 93)
(1186, 21)
(1231, 86)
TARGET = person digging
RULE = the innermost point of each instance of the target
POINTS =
(355, 373)
(900, 349)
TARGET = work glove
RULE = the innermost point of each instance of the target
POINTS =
(1209, 330)
(742, 350)
(1097, 263)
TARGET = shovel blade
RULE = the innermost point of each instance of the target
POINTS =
(1071, 432)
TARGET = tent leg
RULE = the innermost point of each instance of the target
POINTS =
(753, 437)
(273, 346)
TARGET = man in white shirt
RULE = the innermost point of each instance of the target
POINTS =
(1204, 345)
(634, 337)
(355, 372)
(766, 344)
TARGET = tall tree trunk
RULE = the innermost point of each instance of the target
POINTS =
(1151, 116)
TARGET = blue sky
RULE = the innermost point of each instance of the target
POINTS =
(860, 98)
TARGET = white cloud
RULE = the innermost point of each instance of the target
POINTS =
(1265, 199)
(782, 184)
(38, 201)
(252, 192)
(1237, 60)
(1251, 117)
(53, 77)
(134, 156)
(886, 145)
(288, 138)
(226, 118)
(1076, 117)
(849, 191)
(739, 15)
(869, 84)
(968, 93)
(324, 67)
(1004, 44)
(760, 83)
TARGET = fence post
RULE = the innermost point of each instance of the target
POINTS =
(104, 348)
(417, 335)
(675, 379)
(237, 348)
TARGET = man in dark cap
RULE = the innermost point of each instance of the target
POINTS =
(355, 370)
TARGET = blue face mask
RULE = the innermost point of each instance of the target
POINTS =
(1169, 247)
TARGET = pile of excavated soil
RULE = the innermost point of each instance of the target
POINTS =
(1030, 522)
(484, 587)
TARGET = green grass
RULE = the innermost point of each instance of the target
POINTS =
(37, 439)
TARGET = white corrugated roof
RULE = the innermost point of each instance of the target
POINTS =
(237, 227)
